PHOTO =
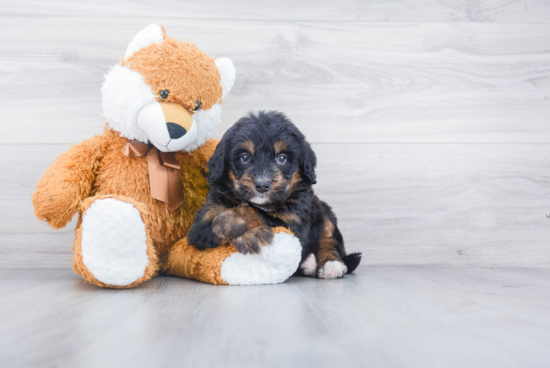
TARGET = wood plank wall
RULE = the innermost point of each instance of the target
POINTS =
(431, 120)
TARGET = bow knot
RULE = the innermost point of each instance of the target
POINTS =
(164, 172)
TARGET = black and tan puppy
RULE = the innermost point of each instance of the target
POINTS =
(261, 176)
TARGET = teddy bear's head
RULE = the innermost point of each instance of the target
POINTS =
(166, 92)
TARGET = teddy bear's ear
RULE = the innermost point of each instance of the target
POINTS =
(227, 74)
(151, 34)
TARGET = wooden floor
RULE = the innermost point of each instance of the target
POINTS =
(382, 316)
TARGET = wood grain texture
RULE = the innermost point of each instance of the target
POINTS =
(339, 81)
(379, 317)
(397, 203)
(527, 11)
(429, 118)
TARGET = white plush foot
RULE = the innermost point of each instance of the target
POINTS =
(114, 247)
(332, 270)
(276, 263)
(309, 265)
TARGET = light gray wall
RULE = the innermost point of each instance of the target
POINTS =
(431, 120)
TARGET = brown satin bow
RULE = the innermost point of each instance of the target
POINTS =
(164, 172)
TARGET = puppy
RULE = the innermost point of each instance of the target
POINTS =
(261, 176)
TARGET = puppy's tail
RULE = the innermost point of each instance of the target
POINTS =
(352, 261)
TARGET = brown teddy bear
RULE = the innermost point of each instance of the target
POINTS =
(136, 187)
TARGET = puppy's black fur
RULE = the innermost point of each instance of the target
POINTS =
(260, 177)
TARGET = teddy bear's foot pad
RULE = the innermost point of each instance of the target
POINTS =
(276, 263)
(114, 242)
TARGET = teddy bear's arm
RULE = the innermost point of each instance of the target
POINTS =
(67, 182)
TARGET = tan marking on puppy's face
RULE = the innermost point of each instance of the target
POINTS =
(247, 180)
(280, 146)
(242, 186)
(295, 179)
(277, 179)
(248, 145)
(234, 181)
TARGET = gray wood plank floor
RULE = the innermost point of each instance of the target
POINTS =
(398, 316)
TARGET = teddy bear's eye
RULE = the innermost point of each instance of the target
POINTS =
(197, 106)
(163, 95)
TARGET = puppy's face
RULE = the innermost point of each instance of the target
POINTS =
(264, 170)
(265, 159)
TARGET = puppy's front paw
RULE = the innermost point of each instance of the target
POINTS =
(229, 225)
(252, 240)
(332, 270)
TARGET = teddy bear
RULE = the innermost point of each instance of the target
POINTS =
(136, 187)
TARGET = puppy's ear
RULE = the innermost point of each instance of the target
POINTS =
(216, 164)
(309, 162)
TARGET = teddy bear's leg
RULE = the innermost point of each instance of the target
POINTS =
(224, 265)
(113, 247)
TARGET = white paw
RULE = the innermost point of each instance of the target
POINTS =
(332, 270)
(114, 247)
(276, 263)
(309, 265)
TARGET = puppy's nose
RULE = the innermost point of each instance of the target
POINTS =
(262, 185)
(175, 131)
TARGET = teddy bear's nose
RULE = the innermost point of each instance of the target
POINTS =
(175, 131)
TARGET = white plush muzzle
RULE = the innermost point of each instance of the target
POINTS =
(152, 122)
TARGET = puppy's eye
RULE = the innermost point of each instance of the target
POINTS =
(281, 159)
(163, 95)
(197, 106)
(245, 157)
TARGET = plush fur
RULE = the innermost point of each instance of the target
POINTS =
(96, 167)
(123, 95)
(124, 236)
(153, 33)
(261, 176)
(165, 64)
(180, 67)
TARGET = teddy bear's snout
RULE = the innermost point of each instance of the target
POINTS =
(175, 131)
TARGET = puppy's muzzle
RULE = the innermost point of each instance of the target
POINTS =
(262, 185)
